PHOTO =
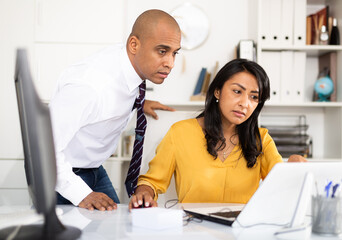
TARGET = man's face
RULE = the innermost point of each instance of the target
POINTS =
(156, 53)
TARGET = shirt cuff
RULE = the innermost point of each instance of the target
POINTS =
(142, 182)
(76, 191)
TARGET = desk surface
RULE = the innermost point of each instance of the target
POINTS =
(118, 225)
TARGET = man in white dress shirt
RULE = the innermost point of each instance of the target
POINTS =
(93, 104)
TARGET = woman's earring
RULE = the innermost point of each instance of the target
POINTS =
(216, 100)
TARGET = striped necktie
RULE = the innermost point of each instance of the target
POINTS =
(134, 167)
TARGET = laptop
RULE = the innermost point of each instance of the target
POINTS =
(283, 198)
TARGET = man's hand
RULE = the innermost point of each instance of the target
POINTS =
(97, 200)
(143, 195)
(296, 158)
(150, 106)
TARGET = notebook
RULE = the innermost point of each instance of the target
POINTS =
(283, 198)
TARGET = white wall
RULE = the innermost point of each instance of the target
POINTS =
(16, 30)
(59, 32)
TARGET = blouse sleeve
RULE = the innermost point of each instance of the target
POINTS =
(161, 167)
(270, 156)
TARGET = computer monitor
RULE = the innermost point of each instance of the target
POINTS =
(39, 160)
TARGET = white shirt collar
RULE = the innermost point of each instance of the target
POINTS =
(132, 78)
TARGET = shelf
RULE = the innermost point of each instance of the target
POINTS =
(186, 105)
(324, 159)
(199, 105)
(311, 50)
(305, 104)
(119, 159)
(12, 159)
(320, 159)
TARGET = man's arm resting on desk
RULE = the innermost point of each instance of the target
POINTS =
(143, 194)
(73, 188)
(97, 200)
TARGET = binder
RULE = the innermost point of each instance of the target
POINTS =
(270, 61)
(286, 33)
(299, 27)
(299, 60)
(275, 21)
(286, 77)
(265, 20)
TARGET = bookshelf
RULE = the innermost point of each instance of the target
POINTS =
(324, 118)
(197, 105)
(311, 50)
(324, 121)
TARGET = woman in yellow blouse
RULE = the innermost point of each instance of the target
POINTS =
(222, 154)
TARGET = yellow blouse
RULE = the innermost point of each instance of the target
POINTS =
(198, 176)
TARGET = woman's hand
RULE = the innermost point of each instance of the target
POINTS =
(143, 197)
(296, 158)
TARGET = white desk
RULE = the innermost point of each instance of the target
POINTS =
(96, 225)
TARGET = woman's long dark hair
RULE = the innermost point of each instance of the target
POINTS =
(248, 131)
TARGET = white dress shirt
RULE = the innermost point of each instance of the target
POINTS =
(91, 107)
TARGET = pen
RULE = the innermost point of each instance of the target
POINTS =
(334, 190)
(327, 188)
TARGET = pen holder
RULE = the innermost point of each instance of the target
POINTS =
(326, 215)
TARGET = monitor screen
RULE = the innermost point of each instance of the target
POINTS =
(39, 151)
(39, 159)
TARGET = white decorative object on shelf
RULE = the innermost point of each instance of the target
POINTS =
(194, 25)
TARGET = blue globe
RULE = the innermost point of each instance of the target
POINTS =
(324, 87)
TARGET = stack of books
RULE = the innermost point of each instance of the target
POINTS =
(290, 135)
(314, 23)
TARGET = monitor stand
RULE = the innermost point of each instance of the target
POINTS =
(51, 229)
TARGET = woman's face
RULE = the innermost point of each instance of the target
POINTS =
(238, 98)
